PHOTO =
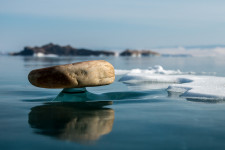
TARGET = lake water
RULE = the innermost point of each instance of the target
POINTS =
(116, 116)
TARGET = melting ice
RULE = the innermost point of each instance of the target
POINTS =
(188, 84)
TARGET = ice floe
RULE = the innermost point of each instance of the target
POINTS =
(202, 87)
(151, 71)
(188, 85)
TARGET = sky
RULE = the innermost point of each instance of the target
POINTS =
(111, 24)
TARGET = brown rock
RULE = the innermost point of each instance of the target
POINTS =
(76, 75)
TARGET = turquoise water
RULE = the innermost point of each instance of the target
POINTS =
(115, 117)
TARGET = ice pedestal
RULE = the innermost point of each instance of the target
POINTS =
(82, 95)
(77, 95)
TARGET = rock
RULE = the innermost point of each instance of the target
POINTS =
(129, 52)
(76, 75)
(61, 51)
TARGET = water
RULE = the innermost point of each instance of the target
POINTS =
(119, 117)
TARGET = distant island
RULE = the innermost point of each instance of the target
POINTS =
(130, 52)
(53, 49)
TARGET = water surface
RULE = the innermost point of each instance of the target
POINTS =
(119, 118)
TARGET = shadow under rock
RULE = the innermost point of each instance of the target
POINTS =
(89, 96)
(85, 95)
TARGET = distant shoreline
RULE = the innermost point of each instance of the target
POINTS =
(57, 50)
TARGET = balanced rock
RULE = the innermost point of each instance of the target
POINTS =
(76, 75)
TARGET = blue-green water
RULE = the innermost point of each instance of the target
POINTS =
(128, 119)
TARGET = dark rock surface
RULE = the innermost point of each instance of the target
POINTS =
(129, 52)
(61, 51)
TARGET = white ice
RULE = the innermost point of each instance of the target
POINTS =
(188, 85)
(44, 55)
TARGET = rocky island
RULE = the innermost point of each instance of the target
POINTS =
(137, 53)
(53, 49)
(61, 51)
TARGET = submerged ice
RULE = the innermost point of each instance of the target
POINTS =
(188, 85)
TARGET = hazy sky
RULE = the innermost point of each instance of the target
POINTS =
(111, 23)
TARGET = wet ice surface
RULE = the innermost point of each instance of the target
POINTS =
(186, 83)
(115, 116)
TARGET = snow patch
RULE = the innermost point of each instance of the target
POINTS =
(151, 71)
(188, 85)
(44, 55)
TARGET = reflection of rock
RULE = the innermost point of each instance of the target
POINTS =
(77, 121)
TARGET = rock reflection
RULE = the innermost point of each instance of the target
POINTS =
(81, 122)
